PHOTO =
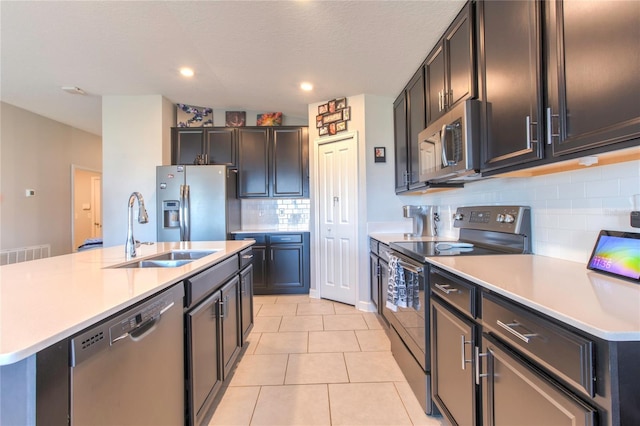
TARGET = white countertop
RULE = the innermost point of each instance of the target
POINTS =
(600, 305)
(45, 301)
(597, 304)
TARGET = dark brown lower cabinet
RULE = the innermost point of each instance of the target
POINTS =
(516, 393)
(453, 339)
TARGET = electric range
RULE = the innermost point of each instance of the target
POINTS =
(484, 230)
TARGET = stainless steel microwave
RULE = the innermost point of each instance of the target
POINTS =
(450, 146)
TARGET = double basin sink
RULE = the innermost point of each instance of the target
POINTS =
(171, 259)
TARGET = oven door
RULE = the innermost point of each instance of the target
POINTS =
(410, 323)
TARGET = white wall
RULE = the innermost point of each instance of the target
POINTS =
(136, 139)
(37, 153)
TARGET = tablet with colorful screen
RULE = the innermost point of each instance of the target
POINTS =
(617, 253)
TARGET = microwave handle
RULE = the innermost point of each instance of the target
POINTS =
(445, 162)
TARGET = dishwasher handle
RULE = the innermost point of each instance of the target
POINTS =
(143, 329)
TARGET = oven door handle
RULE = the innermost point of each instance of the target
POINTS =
(410, 267)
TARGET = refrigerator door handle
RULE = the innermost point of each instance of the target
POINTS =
(182, 212)
(186, 202)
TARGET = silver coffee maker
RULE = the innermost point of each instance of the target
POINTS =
(424, 218)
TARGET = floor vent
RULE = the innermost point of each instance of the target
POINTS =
(24, 254)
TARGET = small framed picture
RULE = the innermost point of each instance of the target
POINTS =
(323, 109)
(332, 129)
(318, 121)
(235, 118)
(324, 130)
(341, 103)
(332, 106)
(379, 154)
(341, 126)
(346, 114)
(332, 118)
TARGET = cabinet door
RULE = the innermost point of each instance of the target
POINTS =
(434, 75)
(259, 269)
(374, 280)
(253, 163)
(221, 145)
(460, 58)
(453, 338)
(290, 157)
(186, 144)
(593, 85)
(204, 369)
(400, 142)
(230, 314)
(415, 101)
(286, 267)
(246, 300)
(516, 394)
(509, 69)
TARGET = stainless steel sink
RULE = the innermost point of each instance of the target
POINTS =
(172, 259)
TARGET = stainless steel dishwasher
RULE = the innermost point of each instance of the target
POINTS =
(129, 370)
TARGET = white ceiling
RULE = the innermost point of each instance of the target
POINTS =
(247, 55)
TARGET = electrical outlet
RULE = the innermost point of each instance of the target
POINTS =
(635, 219)
(281, 212)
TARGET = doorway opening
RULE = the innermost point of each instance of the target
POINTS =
(86, 205)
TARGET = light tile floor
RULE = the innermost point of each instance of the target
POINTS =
(317, 362)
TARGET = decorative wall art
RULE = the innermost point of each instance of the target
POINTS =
(333, 116)
(269, 119)
(379, 154)
(193, 116)
(235, 118)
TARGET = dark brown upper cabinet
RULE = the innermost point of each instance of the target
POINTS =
(218, 144)
(273, 162)
(509, 68)
(593, 59)
(409, 114)
(449, 69)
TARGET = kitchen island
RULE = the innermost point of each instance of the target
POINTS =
(48, 301)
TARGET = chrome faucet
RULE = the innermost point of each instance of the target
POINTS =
(130, 246)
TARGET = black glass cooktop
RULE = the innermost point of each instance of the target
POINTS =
(419, 250)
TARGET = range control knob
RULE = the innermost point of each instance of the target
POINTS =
(508, 218)
(500, 218)
(458, 216)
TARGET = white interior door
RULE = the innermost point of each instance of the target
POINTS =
(96, 210)
(337, 201)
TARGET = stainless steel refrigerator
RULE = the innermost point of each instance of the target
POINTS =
(196, 203)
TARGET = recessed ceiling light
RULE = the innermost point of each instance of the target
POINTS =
(73, 90)
(306, 86)
(187, 72)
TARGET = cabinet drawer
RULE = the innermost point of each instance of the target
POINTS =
(383, 252)
(373, 245)
(285, 238)
(246, 257)
(564, 353)
(200, 285)
(458, 293)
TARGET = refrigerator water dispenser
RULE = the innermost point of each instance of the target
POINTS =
(171, 213)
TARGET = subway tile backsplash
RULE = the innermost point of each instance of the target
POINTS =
(281, 214)
(568, 208)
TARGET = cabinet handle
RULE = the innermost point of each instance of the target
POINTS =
(477, 359)
(446, 288)
(462, 355)
(530, 123)
(440, 101)
(524, 337)
(550, 134)
(247, 256)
